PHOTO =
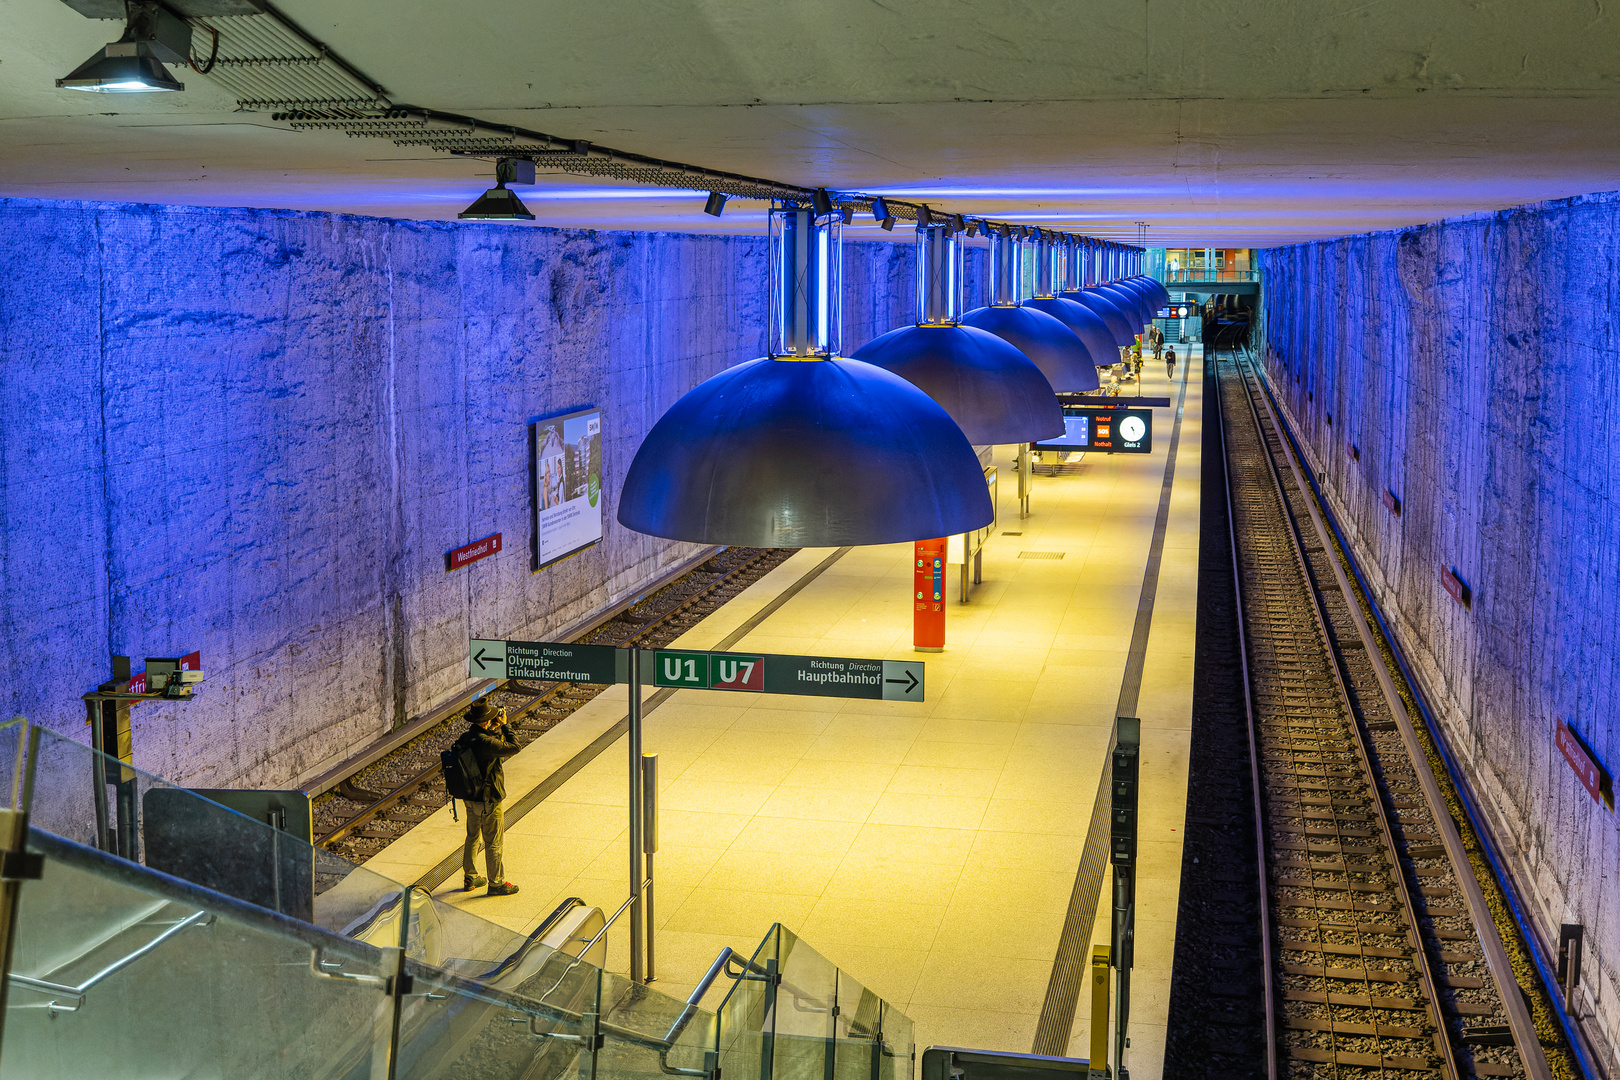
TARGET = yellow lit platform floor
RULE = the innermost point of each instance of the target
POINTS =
(929, 849)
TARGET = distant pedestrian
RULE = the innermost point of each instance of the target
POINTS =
(1156, 340)
(491, 741)
(1170, 363)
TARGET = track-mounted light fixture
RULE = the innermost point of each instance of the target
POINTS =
(821, 202)
(498, 203)
(925, 217)
(716, 204)
(880, 209)
(958, 223)
(846, 213)
(974, 226)
(134, 63)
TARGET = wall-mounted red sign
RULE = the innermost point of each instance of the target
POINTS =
(1592, 776)
(191, 661)
(1393, 502)
(1457, 587)
(137, 683)
(478, 549)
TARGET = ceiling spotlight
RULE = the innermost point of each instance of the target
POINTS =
(716, 204)
(925, 218)
(974, 226)
(846, 212)
(880, 210)
(958, 223)
(821, 202)
(134, 63)
(499, 204)
(886, 224)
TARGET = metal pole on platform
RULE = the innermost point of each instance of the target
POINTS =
(634, 719)
(649, 846)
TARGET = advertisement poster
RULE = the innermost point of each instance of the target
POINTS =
(565, 485)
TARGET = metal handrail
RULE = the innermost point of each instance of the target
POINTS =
(1199, 276)
(517, 955)
(197, 918)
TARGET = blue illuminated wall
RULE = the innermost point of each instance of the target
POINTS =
(1473, 365)
(257, 434)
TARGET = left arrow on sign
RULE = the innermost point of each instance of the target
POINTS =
(486, 659)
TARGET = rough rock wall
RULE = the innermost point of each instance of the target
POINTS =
(1473, 364)
(257, 433)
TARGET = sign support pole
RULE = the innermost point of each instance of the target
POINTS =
(1122, 844)
(634, 718)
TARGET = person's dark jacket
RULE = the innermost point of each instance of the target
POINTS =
(490, 748)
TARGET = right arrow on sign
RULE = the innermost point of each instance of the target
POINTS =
(902, 680)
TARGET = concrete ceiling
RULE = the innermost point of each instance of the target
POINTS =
(1227, 123)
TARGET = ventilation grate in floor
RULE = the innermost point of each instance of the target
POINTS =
(1041, 554)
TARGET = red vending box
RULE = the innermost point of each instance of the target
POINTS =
(928, 588)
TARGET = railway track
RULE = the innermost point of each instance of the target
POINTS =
(1371, 942)
(376, 805)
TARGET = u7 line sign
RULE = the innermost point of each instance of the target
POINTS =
(759, 673)
(776, 673)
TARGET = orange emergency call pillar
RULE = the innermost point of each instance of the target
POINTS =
(928, 589)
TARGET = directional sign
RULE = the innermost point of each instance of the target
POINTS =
(546, 661)
(692, 669)
(774, 673)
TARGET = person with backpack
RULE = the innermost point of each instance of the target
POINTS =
(1170, 364)
(473, 774)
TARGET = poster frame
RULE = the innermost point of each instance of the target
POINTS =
(535, 426)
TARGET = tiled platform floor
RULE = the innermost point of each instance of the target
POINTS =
(929, 849)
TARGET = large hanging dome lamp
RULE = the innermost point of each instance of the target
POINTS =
(1118, 323)
(1129, 301)
(1056, 350)
(803, 448)
(1086, 324)
(1051, 266)
(993, 391)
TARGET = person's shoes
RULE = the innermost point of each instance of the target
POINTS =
(469, 882)
(502, 888)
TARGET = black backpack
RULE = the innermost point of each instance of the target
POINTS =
(463, 779)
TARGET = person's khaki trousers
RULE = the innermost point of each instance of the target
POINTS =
(483, 819)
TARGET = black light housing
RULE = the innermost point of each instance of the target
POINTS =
(499, 203)
(134, 63)
(821, 202)
(716, 204)
(880, 210)
(925, 217)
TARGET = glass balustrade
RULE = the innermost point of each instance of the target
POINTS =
(170, 936)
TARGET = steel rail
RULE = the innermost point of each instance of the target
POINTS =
(1362, 749)
(1263, 906)
(1495, 952)
(1309, 735)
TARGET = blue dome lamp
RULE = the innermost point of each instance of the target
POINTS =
(1057, 270)
(803, 448)
(1127, 299)
(995, 393)
(1087, 295)
(1061, 356)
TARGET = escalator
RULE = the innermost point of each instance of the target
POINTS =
(120, 969)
